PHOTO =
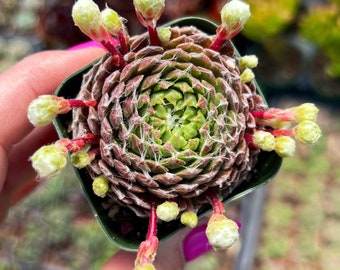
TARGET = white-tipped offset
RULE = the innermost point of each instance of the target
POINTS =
(285, 146)
(111, 21)
(264, 140)
(307, 132)
(49, 160)
(221, 231)
(149, 11)
(100, 186)
(164, 34)
(86, 15)
(147, 266)
(234, 16)
(248, 61)
(44, 109)
(189, 218)
(81, 159)
(247, 75)
(305, 111)
(167, 211)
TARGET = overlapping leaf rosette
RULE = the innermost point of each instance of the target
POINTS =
(169, 120)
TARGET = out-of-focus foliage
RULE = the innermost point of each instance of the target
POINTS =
(269, 18)
(54, 228)
(321, 26)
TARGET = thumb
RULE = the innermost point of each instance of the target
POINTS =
(35, 75)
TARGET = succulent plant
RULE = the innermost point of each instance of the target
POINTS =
(167, 122)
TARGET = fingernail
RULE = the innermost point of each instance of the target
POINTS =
(196, 243)
(87, 44)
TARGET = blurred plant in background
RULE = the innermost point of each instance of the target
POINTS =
(53, 228)
(269, 35)
(298, 42)
(17, 19)
(270, 18)
(321, 26)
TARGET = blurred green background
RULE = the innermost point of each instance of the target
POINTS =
(298, 45)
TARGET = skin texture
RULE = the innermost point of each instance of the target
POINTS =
(33, 76)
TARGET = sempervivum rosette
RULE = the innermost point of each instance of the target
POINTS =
(168, 121)
(171, 121)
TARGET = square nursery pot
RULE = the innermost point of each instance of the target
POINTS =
(129, 238)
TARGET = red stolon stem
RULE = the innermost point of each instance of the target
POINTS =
(153, 35)
(115, 53)
(275, 113)
(220, 38)
(258, 114)
(147, 250)
(122, 42)
(281, 132)
(81, 103)
(250, 141)
(218, 206)
(76, 144)
(152, 229)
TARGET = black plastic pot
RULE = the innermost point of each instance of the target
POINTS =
(267, 166)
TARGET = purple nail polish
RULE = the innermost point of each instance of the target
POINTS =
(87, 44)
(196, 244)
(239, 224)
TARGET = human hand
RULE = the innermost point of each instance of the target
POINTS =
(41, 74)
(35, 75)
